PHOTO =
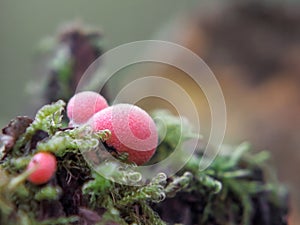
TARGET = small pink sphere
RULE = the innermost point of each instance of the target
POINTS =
(133, 131)
(83, 106)
(44, 165)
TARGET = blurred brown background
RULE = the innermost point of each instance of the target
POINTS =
(253, 48)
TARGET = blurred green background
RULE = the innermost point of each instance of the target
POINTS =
(24, 23)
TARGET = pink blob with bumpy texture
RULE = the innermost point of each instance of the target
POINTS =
(133, 131)
(84, 105)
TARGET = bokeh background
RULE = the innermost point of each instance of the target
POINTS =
(24, 24)
(254, 52)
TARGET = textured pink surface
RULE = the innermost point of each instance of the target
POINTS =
(83, 106)
(133, 131)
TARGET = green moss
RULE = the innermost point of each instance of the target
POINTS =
(227, 189)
